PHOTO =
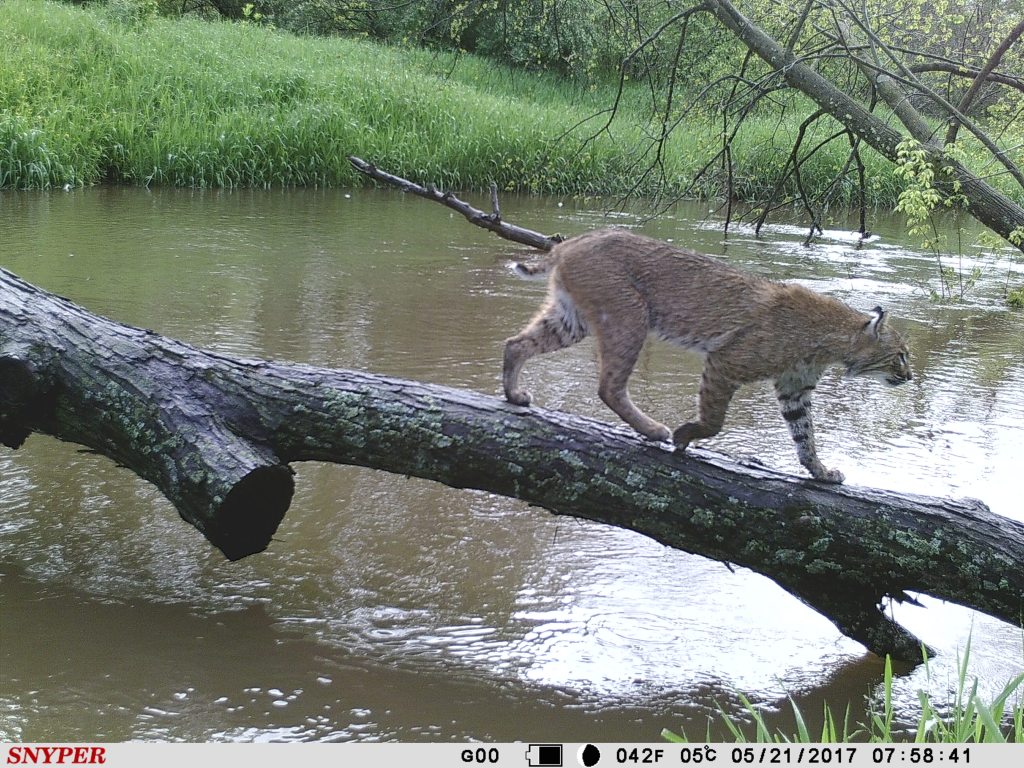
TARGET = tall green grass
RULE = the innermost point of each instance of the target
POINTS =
(86, 98)
(966, 718)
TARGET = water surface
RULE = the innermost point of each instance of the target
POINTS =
(394, 608)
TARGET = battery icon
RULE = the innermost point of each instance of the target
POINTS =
(544, 756)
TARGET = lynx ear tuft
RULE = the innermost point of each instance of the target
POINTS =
(874, 325)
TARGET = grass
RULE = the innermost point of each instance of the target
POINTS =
(86, 99)
(966, 719)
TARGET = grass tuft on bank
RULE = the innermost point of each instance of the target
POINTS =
(964, 719)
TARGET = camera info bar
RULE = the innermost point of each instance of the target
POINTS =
(515, 755)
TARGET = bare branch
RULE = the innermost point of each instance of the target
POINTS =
(962, 71)
(990, 65)
(793, 161)
(495, 207)
(798, 28)
(624, 65)
(490, 222)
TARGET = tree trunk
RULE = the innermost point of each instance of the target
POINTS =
(215, 434)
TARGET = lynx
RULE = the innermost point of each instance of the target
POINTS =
(619, 287)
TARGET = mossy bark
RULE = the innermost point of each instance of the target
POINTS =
(216, 434)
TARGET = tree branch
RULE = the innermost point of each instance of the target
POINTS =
(961, 71)
(983, 76)
(489, 221)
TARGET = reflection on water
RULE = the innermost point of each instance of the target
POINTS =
(394, 608)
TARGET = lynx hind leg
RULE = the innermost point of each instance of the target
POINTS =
(716, 393)
(619, 342)
(795, 403)
(556, 326)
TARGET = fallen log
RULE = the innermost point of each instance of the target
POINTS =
(216, 435)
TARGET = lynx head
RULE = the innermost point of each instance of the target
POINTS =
(880, 351)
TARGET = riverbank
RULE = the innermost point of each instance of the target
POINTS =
(85, 99)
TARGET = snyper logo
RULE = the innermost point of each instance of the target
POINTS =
(43, 755)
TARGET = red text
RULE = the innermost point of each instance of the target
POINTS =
(56, 755)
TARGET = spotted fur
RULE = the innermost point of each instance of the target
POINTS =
(619, 287)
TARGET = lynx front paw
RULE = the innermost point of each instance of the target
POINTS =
(659, 433)
(519, 397)
(683, 435)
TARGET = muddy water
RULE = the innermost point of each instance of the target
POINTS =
(392, 608)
